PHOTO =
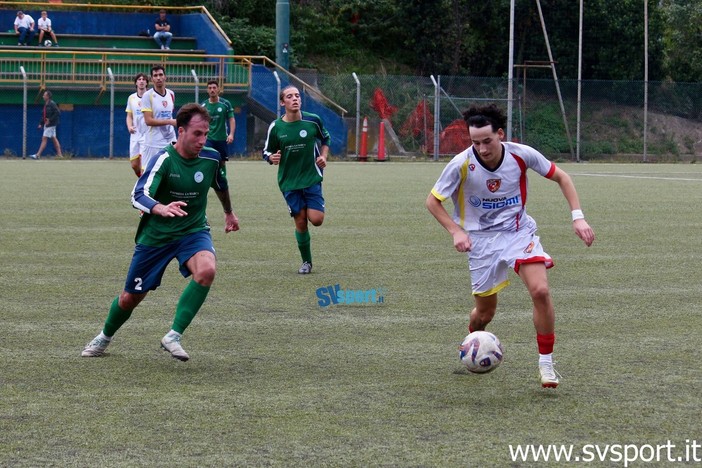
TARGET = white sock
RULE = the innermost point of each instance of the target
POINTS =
(545, 359)
(173, 334)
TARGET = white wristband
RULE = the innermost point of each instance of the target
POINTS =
(577, 214)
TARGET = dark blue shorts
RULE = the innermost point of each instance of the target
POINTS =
(310, 197)
(149, 263)
(220, 146)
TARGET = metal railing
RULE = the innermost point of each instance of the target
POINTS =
(88, 69)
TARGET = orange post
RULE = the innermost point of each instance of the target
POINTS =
(381, 142)
(363, 156)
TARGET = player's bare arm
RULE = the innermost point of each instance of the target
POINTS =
(151, 121)
(232, 129)
(461, 240)
(581, 228)
(231, 221)
(322, 158)
(130, 123)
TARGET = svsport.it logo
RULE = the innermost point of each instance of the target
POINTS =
(335, 294)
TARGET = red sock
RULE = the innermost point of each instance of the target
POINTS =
(545, 342)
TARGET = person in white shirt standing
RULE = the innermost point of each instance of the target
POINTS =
(488, 186)
(24, 26)
(44, 25)
(157, 106)
(135, 122)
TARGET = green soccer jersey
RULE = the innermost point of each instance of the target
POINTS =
(174, 178)
(220, 112)
(297, 142)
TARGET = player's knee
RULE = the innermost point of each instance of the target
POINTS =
(317, 220)
(129, 301)
(205, 275)
(540, 294)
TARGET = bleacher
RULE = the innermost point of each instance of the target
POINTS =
(101, 50)
(108, 43)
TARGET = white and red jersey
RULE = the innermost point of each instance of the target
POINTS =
(161, 107)
(491, 200)
(134, 108)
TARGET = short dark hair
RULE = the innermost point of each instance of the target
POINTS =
(141, 75)
(157, 67)
(188, 111)
(213, 82)
(161, 11)
(490, 114)
(46, 91)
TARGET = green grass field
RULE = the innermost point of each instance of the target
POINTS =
(276, 380)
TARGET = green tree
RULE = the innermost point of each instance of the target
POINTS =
(682, 40)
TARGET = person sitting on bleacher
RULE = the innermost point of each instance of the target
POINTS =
(44, 25)
(163, 34)
(24, 26)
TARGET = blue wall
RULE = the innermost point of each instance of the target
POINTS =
(84, 131)
(264, 89)
(95, 22)
(195, 25)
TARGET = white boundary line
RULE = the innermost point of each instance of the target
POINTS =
(635, 177)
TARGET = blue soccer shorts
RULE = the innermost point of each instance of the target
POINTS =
(149, 263)
(310, 197)
(220, 146)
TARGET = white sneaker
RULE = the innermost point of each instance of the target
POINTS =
(95, 348)
(549, 377)
(172, 345)
(163, 47)
(33, 156)
(305, 269)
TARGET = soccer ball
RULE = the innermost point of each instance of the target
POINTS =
(481, 352)
(48, 43)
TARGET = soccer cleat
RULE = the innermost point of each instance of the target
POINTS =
(305, 269)
(172, 345)
(95, 348)
(549, 379)
(33, 156)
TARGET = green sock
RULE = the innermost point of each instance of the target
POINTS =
(304, 244)
(115, 318)
(189, 304)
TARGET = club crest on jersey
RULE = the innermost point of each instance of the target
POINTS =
(493, 185)
(303, 133)
(199, 177)
(164, 103)
(219, 109)
(471, 167)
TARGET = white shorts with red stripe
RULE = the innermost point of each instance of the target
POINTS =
(493, 254)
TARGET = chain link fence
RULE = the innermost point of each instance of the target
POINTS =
(422, 116)
(607, 121)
